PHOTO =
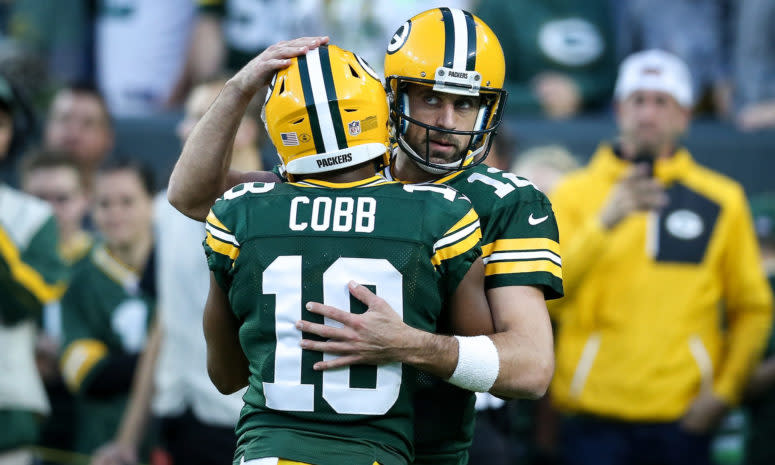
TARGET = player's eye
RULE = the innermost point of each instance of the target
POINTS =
(464, 104)
(431, 99)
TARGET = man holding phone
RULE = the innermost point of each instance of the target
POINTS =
(667, 306)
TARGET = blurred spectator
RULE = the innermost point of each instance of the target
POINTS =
(140, 48)
(58, 32)
(79, 123)
(31, 275)
(56, 178)
(760, 391)
(694, 30)
(755, 65)
(559, 54)
(229, 33)
(658, 251)
(197, 422)
(545, 166)
(109, 304)
(503, 149)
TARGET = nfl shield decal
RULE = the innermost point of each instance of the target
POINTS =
(354, 127)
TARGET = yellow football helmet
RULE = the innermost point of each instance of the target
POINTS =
(327, 111)
(454, 52)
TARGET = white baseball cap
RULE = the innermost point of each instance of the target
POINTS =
(655, 70)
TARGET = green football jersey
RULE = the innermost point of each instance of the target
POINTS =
(104, 313)
(520, 247)
(32, 273)
(274, 247)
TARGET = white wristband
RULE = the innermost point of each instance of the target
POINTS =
(478, 364)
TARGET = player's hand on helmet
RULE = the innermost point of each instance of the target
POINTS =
(375, 337)
(638, 191)
(259, 71)
(114, 453)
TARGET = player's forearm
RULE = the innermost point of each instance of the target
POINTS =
(201, 173)
(524, 339)
(526, 366)
(434, 353)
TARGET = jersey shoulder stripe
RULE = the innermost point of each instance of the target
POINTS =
(219, 237)
(528, 255)
(459, 239)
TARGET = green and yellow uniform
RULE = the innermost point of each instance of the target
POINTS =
(520, 247)
(105, 320)
(275, 247)
(32, 275)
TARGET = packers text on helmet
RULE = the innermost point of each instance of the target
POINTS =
(327, 111)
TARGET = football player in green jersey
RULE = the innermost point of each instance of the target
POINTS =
(109, 305)
(445, 72)
(272, 247)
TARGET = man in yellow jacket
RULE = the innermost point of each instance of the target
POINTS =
(667, 309)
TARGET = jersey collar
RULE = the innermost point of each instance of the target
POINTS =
(116, 270)
(374, 180)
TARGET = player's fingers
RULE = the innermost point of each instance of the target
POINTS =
(328, 332)
(329, 347)
(274, 64)
(346, 318)
(295, 47)
(337, 363)
(363, 294)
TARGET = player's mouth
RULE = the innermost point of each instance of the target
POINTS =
(441, 145)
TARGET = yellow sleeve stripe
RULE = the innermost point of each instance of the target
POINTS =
(211, 218)
(26, 275)
(79, 359)
(223, 248)
(537, 243)
(457, 248)
(523, 267)
(469, 218)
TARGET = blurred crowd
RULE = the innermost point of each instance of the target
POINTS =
(115, 279)
(561, 56)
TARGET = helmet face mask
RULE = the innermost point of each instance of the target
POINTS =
(326, 111)
(453, 52)
(479, 137)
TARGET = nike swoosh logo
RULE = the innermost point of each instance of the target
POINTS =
(535, 221)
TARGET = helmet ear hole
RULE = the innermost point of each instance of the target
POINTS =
(282, 86)
(354, 72)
